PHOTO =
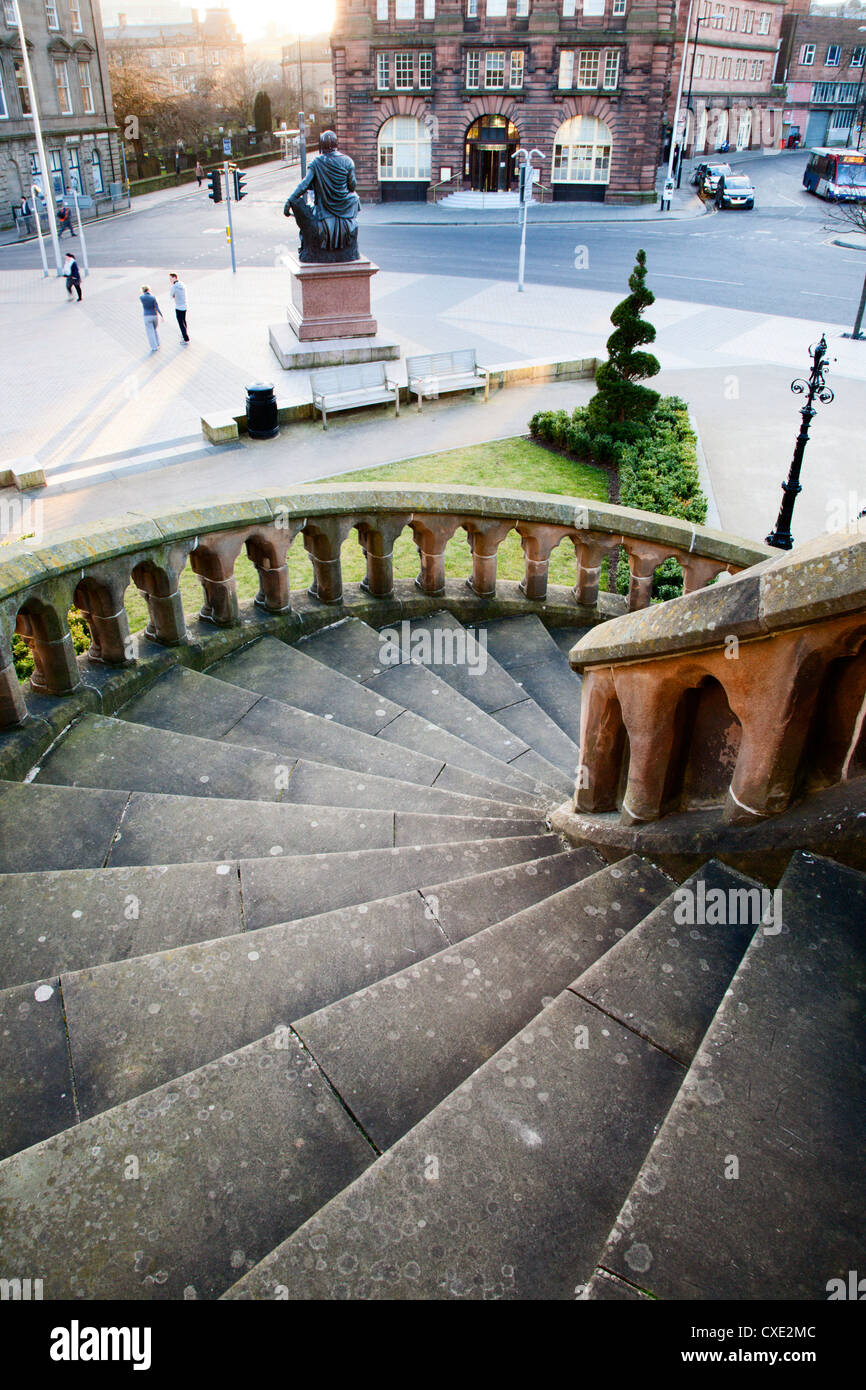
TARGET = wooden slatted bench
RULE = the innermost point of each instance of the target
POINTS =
(446, 371)
(360, 383)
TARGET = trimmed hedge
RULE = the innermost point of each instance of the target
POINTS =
(656, 464)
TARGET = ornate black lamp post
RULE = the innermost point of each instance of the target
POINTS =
(815, 386)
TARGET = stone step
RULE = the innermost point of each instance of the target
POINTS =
(189, 702)
(760, 1159)
(113, 753)
(481, 679)
(134, 1024)
(290, 675)
(177, 1193)
(146, 828)
(37, 1095)
(70, 919)
(356, 650)
(528, 652)
(557, 1122)
(566, 637)
(394, 1050)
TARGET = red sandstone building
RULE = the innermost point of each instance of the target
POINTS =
(442, 92)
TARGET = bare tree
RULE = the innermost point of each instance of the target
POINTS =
(852, 217)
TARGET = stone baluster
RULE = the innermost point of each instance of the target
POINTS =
(268, 550)
(213, 561)
(46, 632)
(643, 561)
(99, 597)
(650, 701)
(538, 542)
(432, 534)
(589, 553)
(323, 539)
(485, 538)
(157, 579)
(602, 744)
(697, 571)
(773, 694)
(13, 710)
(377, 535)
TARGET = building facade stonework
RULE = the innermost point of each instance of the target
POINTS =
(824, 58)
(66, 51)
(439, 94)
(198, 55)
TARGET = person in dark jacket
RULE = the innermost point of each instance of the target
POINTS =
(73, 276)
(152, 313)
(64, 221)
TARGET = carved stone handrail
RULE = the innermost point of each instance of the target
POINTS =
(748, 694)
(93, 569)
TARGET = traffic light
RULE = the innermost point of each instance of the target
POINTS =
(216, 186)
(239, 180)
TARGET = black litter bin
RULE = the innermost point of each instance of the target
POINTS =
(262, 411)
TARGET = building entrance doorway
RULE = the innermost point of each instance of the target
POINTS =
(488, 158)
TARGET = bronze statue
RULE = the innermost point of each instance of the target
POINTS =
(329, 231)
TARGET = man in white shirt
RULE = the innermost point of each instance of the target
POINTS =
(178, 294)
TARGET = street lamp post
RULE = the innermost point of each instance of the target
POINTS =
(815, 387)
(527, 172)
(698, 23)
(40, 147)
(669, 180)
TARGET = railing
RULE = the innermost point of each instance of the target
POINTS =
(92, 571)
(443, 184)
(746, 696)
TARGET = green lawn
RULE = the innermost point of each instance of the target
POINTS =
(509, 463)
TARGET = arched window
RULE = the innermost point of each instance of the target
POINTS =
(581, 151)
(404, 149)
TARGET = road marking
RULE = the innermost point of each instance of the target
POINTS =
(669, 275)
(815, 294)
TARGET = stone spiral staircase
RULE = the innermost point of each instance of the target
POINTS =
(300, 998)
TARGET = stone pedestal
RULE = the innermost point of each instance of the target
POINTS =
(331, 300)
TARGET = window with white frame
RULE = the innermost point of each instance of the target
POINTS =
(581, 151)
(86, 85)
(382, 71)
(74, 169)
(75, 15)
(404, 149)
(566, 68)
(473, 68)
(611, 68)
(834, 54)
(497, 9)
(618, 7)
(522, 9)
(55, 159)
(593, 9)
(699, 65)
(154, 60)
(741, 69)
(764, 22)
(710, 67)
(494, 71)
(96, 171)
(857, 57)
(587, 68)
(733, 18)
(382, 10)
(718, 20)
(9, 13)
(568, 9)
(51, 14)
(471, 9)
(405, 9)
(748, 22)
(757, 70)
(4, 109)
(429, 9)
(175, 59)
(327, 95)
(23, 89)
(725, 69)
(515, 76)
(425, 71)
(402, 71)
(807, 55)
(216, 58)
(61, 79)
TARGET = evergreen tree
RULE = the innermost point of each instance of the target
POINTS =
(262, 112)
(620, 400)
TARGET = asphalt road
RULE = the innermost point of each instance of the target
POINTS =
(778, 259)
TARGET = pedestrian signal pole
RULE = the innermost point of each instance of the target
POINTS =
(229, 233)
(527, 172)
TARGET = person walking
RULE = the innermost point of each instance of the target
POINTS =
(73, 276)
(152, 313)
(199, 172)
(26, 213)
(64, 221)
(178, 294)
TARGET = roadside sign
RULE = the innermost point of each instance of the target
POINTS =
(227, 144)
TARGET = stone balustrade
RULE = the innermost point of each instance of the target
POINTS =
(93, 570)
(749, 694)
